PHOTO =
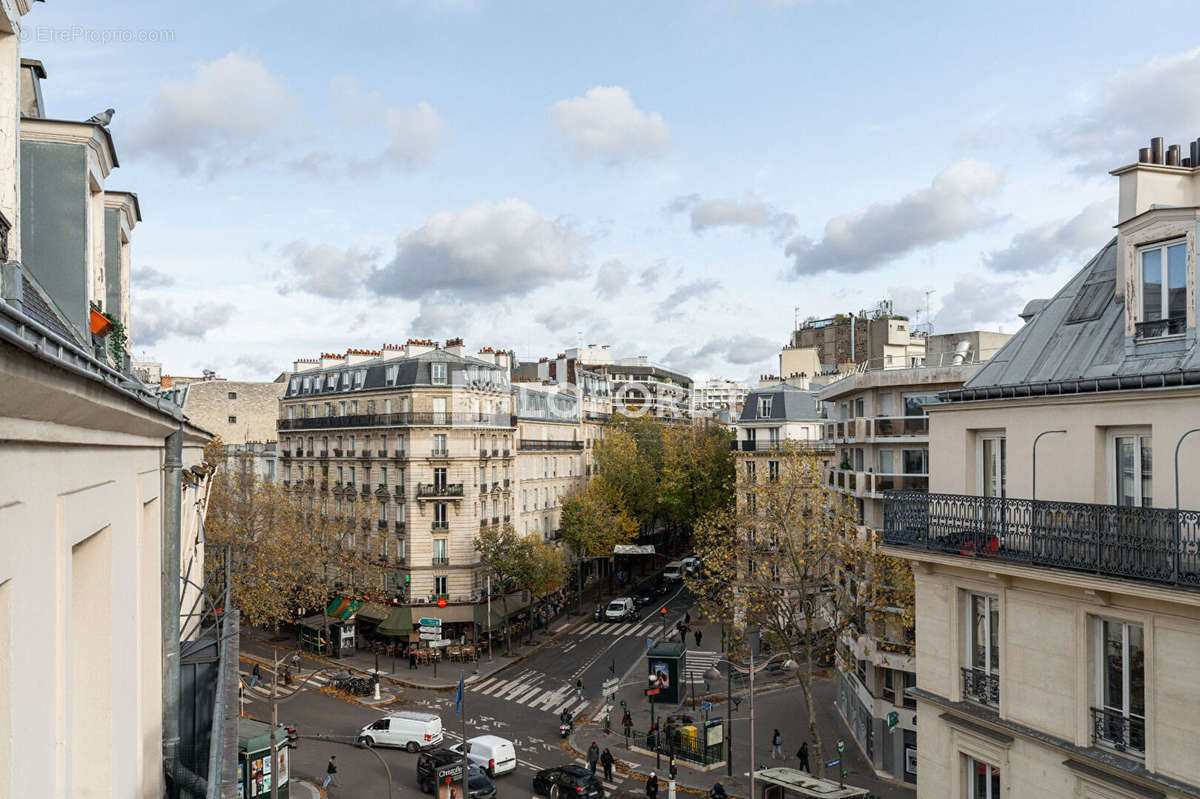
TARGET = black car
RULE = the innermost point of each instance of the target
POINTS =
(437, 765)
(643, 596)
(563, 782)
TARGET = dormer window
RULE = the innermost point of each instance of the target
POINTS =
(437, 373)
(764, 407)
(392, 372)
(1164, 289)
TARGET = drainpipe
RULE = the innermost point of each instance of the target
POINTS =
(853, 354)
(169, 608)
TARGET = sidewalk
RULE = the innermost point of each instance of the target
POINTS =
(779, 703)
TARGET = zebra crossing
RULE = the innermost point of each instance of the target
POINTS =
(262, 691)
(641, 627)
(533, 689)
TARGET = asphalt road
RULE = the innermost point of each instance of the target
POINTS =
(520, 703)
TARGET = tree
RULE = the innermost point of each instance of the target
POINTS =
(791, 562)
(542, 569)
(629, 456)
(697, 472)
(595, 519)
(502, 554)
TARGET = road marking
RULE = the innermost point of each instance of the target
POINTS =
(623, 628)
(524, 695)
(483, 684)
(488, 691)
(580, 707)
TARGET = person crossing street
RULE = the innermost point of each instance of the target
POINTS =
(607, 760)
(331, 773)
(593, 757)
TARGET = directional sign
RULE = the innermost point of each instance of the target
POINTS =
(833, 763)
(893, 719)
(610, 684)
(431, 636)
(431, 622)
(443, 642)
(706, 706)
(425, 629)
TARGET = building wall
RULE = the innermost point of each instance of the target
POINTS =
(545, 476)
(255, 408)
(114, 266)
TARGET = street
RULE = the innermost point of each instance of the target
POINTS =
(522, 702)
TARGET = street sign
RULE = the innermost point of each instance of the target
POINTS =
(651, 692)
(431, 636)
(706, 706)
(649, 641)
(431, 622)
(424, 629)
(436, 644)
(893, 719)
(611, 684)
(833, 762)
(441, 602)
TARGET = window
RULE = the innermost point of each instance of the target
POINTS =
(889, 685)
(993, 466)
(392, 371)
(232, 395)
(440, 558)
(887, 461)
(910, 681)
(859, 407)
(233, 420)
(983, 780)
(981, 675)
(916, 461)
(437, 373)
(914, 404)
(1119, 718)
(439, 444)
(772, 470)
(764, 407)
(359, 377)
(439, 585)
(750, 470)
(439, 516)
(439, 478)
(1164, 289)
(1132, 459)
(383, 512)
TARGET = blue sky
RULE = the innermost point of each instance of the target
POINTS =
(675, 179)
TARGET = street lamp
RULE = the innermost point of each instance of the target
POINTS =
(713, 674)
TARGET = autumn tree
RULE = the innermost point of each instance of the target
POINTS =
(791, 562)
(501, 554)
(697, 472)
(629, 456)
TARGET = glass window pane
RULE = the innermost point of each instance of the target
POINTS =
(994, 642)
(1147, 463)
(1177, 280)
(1112, 677)
(1126, 470)
(978, 632)
(886, 461)
(1137, 671)
(1151, 285)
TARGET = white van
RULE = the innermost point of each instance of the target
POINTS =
(674, 570)
(413, 731)
(620, 609)
(493, 754)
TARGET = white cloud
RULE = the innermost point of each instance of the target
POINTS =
(748, 213)
(977, 304)
(558, 317)
(696, 289)
(611, 279)
(1044, 247)
(147, 277)
(414, 137)
(738, 350)
(859, 242)
(606, 124)
(231, 112)
(325, 270)
(155, 319)
(1111, 122)
(488, 251)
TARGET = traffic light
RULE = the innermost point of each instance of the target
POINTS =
(407, 579)
(293, 738)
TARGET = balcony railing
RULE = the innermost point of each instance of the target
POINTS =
(898, 426)
(546, 444)
(879, 483)
(399, 453)
(441, 560)
(1114, 729)
(779, 444)
(442, 490)
(444, 525)
(483, 522)
(483, 488)
(398, 527)
(1155, 544)
(286, 453)
(981, 686)
(402, 419)
(1173, 326)
(383, 525)
(337, 452)
(439, 452)
(366, 453)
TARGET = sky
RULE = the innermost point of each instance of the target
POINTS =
(680, 180)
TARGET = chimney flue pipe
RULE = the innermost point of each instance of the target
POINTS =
(1144, 155)
(1173, 155)
(1194, 152)
(1156, 150)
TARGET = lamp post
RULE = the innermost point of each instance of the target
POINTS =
(712, 673)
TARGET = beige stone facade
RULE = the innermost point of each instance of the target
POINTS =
(240, 412)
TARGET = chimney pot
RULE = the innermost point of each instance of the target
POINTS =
(1144, 155)
(1173, 155)
(1156, 150)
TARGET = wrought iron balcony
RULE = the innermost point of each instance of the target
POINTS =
(545, 444)
(495, 453)
(1153, 544)
(495, 520)
(383, 525)
(452, 490)
(337, 452)
(483, 522)
(779, 444)
(981, 686)
(1115, 730)
(439, 452)
(366, 453)
(366, 490)
(1157, 328)
(286, 453)
(441, 561)
(402, 419)
(483, 488)
(483, 453)
(443, 525)
(300, 453)
(399, 454)
(398, 527)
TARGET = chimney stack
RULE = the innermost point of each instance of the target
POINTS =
(1173, 155)
(1144, 155)
(1156, 150)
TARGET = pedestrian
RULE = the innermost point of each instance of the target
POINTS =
(412, 657)
(687, 618)
(777, 745)
(296, 662)
(608, 760)
(256, 677)
(287, 676)
(697, 635)
(627, 723)
(331, 773)
(717, 791)
(579, 689)
(803, 755)
(652, 786)
(593, 757)
(672, 769)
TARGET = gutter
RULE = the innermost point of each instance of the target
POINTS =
(1091, 385)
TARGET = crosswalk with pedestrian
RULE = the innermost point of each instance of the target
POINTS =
(533, 689)
(262, 691)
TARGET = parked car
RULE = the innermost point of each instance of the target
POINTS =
(493, 754)
(405, 728)
(620, 609)
(674, 571)
(662, 586)
(566, 781)
(438, 765)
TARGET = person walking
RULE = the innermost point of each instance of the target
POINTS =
(672, 769)
(593, 757)
(777, 745)
(607, 760)
(687, 618)
(296, 662)
(652, 786)
(697, 635)
(579, 689)
(331, 773)
(412, 658)
(803, 755)
(627, 723)
(256, 677)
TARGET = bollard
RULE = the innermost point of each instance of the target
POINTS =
(671, 789)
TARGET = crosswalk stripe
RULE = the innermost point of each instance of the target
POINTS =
(484, 684)
(511, 693)
(524, 695)
(621, 630)
(488, 691)
(580, 707)
(551, 697)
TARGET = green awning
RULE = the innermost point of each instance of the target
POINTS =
(374, 611)
(398, 622)
(342, 608)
